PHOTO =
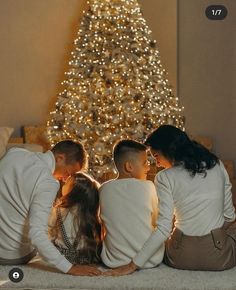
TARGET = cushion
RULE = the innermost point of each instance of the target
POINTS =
(5, 133)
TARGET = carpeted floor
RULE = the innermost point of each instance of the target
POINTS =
(38, 275)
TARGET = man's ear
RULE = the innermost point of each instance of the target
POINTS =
(128, 166)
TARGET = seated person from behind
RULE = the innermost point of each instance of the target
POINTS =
(74, 226)
(129, 207)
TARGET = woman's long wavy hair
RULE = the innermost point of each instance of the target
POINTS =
(85, 196)
(178, 148)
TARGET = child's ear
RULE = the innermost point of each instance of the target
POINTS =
(128, 166)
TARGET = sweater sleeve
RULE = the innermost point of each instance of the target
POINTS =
(229, 211)
(164, 221)
(40, 208)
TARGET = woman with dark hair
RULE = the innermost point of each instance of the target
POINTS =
(74, 226)
(193, 188)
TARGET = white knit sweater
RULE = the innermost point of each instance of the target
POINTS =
(27, 191)
(200, 204)
(129, 213)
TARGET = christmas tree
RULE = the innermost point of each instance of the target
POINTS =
(115, 87)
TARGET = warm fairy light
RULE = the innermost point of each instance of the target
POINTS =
(115, 87)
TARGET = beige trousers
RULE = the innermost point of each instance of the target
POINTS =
(213, 252)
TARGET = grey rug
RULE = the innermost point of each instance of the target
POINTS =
(39, 275)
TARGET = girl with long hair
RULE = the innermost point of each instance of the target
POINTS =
(74, 226)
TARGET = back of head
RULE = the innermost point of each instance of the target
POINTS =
(74, 152)
(175, 145)
(85, 193)
(125, 150)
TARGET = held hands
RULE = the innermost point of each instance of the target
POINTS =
(122, 270)
(84, 270)
(92, 270)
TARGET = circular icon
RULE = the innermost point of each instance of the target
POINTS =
(16, 275)
(216, 12)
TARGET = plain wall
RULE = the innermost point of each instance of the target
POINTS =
(207, 73)
(36, 41)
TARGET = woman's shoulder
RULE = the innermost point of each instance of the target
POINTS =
(171, 174)
(172, 171)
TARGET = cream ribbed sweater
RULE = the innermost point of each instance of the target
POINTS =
(27, 191)
(199, 204)
(129, 212)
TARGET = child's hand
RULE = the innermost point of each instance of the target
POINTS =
(84, 270)
(120, 271)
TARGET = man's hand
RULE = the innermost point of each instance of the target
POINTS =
(122, 270)
(84, 270)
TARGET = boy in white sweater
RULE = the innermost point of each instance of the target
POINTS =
(128, 207)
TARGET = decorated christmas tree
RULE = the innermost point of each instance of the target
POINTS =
(115, 87)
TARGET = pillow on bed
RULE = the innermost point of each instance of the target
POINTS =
(5, 133)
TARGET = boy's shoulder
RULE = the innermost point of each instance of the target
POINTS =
(108, 182)
(127, 183)
(144, 184)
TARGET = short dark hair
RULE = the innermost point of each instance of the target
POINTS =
(74, 151)
(124, 147)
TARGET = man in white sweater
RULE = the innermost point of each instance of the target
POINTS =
(28, 187)
(129, 207)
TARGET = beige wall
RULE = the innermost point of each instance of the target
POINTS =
(207, 73)
(37, 38)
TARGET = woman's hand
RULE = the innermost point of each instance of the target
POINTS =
(122, 270)
(84, 270)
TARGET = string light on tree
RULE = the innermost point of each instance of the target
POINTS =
(115, 87)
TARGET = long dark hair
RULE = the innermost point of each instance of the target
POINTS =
(85, 196)
(175, 145)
